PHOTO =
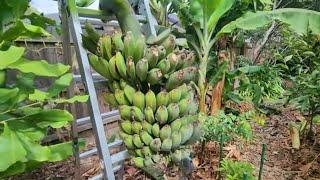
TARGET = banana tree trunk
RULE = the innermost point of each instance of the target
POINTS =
(217, 92)
(124, 13)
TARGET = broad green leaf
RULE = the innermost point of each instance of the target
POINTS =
(39, 20)
(220, 8)
(10, 56)
(16, 168)
(10, 149)
(60, 151)
(40, 67)
(60, 84)
(8, 98)
(18, 6)
(27, 128)
(22, 30)
(299, 20)
(54, 118)
(38, 95)
(74, 99)
(250, 69)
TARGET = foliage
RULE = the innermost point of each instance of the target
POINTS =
(227, 126)
(234, 170)
(207, 21)
(295, 54)
(26, 111)
(256, 82)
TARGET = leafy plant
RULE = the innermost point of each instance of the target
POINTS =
(227, 126)
(26, 111)
(206, 22)
(234, 170)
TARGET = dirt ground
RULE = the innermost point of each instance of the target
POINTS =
(282, 162)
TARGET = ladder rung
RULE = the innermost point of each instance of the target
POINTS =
(94, 150)
(99, 176)
(96, 77)
(98, 14)
(109, 116)
(120, 156)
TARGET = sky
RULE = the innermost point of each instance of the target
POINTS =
(51, 7)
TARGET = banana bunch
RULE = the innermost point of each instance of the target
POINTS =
(149, 84)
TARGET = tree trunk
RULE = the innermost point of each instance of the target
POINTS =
(217, 92)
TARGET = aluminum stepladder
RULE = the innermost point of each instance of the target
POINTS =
(70, 21)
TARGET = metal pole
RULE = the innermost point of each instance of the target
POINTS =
(93, 104)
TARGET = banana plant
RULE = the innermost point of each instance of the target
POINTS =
(208, 21)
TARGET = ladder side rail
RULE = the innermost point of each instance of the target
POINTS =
(93, 104)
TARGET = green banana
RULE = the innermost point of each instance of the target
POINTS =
(122, 84)
(169, 43)
(156, 158)
(129, 92)
(138, 162)
(137, 141)
(197, 132)
(176, 139)
(115, 85)
(184, 91)
(126, 126)
(173, 59)
(152, 55)
(151, 100)
(184, 105)
(162, 115)
(165, 132)
(154, 76)
(166, 145)
(128, 45)
(138, 100)
(176, 156)
(146, 151)
(123, 135)
(106, 47)
(155, 145)
(137, 114)
(142, 69)
(121, 65)
(138, 152)
(182, 76)
(125, 112)
(113, 68)
(175, 95)
(176, 125)
(156, 130)
(145, 137)
(111, 99)
(120, 97)
(147, 127)
(164, 66)
(97, 65)
(162, 52)
(186, 132)
(148, 162)
(136, 127)
(162, 99)
(148, 112)
(117, 41)
(131, 68)
(128, 141)
(159, 38)
(139, 48)
(173, 111)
